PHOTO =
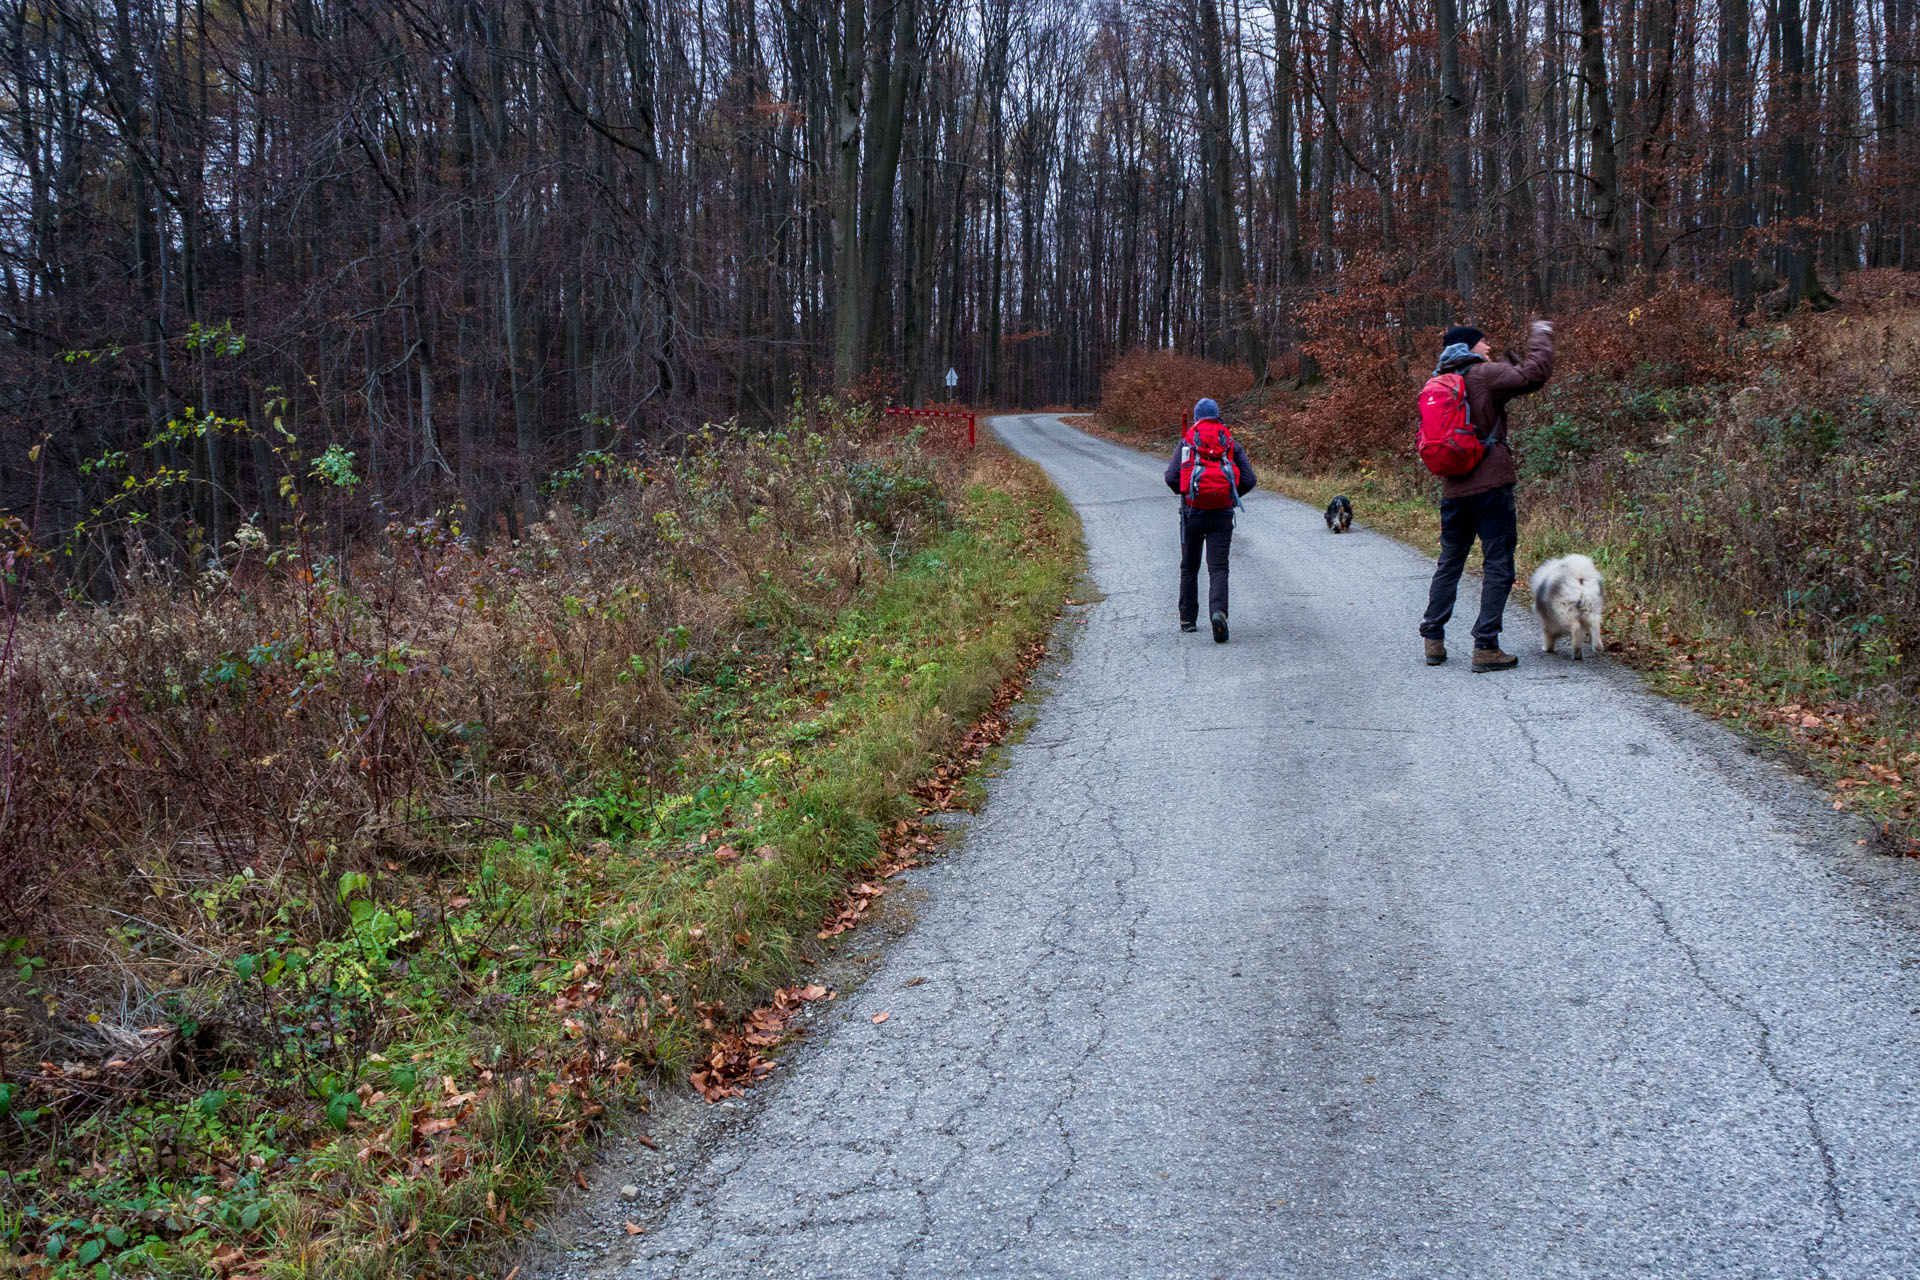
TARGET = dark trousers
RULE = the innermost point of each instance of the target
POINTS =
(1489, 517)
(1212, 530)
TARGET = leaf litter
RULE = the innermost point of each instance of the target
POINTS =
(736, 1059)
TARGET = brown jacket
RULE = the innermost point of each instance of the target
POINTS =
(1490, 384)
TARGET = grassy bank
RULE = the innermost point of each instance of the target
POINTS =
(628, 772)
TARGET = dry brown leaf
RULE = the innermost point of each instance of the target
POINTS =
(633, 1230)
(879, 1018)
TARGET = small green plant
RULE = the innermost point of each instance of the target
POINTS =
(335, 467)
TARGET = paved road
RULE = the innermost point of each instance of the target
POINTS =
(1295, 957)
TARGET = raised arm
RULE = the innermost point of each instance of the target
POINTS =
(1505, 381)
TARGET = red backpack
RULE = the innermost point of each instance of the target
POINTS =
(1208, 479)
(1447, 443)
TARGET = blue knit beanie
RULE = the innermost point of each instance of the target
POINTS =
(1206, 411)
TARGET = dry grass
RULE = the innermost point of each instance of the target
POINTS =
(359, 896)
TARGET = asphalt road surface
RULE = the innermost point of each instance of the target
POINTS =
(1296, 957)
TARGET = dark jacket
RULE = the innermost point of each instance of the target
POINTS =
(1240, 465)
(1490, 384)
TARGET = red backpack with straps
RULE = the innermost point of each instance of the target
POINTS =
(1447, 442)
(1208, 479)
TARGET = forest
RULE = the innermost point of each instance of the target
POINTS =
(441, 251)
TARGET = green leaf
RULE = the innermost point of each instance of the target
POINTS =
(89, 1251)
(117, 1237)
(402, 1077)
(250, 1217)
(244, 967)
(340, 1109)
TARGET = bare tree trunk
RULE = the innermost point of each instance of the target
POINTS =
(1522, 234)
(1654, 134)
(1802, 261)
(1605, 172)
(1238, 312)
(524, 444)
(1329, 92)
(1453, 114)
(1286, 197)
(901, 28)
(849, 79)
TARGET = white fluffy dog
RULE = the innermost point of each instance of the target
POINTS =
(1567, 594)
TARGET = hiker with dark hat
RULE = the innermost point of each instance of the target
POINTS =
(1209, 471)
(1463, 439)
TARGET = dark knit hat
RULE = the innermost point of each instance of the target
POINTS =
(1464, 334)
(1206, 411)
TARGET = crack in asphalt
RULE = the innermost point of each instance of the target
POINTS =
(1234, 976)
(1835, 1208)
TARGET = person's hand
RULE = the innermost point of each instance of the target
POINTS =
(1543, 326)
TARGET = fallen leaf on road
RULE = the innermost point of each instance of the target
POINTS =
(813, 991)
(879, 1018)
(633, 1230)
(914, 982)
(580, 1179)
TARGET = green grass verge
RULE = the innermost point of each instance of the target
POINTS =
(571, 965)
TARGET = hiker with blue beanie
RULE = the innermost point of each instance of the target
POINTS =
(1209, 471)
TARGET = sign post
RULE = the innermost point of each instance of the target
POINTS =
(953, 380)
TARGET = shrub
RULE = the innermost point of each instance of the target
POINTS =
(290, 851)
(285, 717)
(1682, 334)
(1148, 391)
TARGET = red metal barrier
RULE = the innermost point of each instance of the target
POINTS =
(938, 413)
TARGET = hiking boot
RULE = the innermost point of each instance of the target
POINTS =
(1436, 651)
(1189, 626)
(1219, 621)
(1495, 659)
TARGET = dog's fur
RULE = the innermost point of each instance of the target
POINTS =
(1340, 514)
(1568, 595)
